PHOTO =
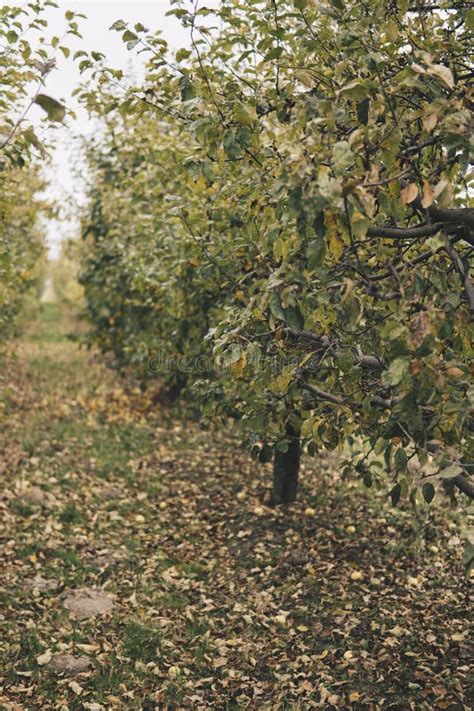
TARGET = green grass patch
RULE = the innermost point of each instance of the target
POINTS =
(142, 643)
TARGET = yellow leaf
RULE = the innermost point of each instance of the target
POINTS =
(360, 224)
(428, 194)
(239, 366)
(429, 121)
(409, 193)
(44, 658)
(446, 196)
(444, 73)
(336, 243)
(74, 686)
(392, 31)
(220, 662)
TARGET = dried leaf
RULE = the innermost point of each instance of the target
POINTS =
(428, 194)
(409, 193)
(44, 658)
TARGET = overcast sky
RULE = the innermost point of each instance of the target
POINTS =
(65, 77)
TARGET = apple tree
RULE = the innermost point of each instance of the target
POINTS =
(327, 147)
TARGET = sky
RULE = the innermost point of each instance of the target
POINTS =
(65, 77)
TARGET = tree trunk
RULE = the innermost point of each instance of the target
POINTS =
(285, 470)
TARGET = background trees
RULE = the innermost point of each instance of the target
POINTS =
(302, 202)
(27, 55)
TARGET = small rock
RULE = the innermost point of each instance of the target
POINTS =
(37, 497)
(87, 602)
(110, 492)
(67, 664)
(106, 558)
(42, 584)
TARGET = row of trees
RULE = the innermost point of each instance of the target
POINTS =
(279, 227)
(27, 56)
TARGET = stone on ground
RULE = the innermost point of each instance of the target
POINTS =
(87, 602)
(69, 665)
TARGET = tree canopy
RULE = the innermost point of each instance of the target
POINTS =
(27, 55)
(290, 197)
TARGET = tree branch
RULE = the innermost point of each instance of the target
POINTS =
(462, 270)
(405, 232)
(367, 361)
(340, 400)
(464, 485)
(458, 216)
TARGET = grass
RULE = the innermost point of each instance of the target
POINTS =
(141, 642)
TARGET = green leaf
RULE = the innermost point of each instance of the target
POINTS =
(342, 155)
(266, 454)
(182, 54)
(428, 491)
(274, 53)
(294, 318)
(363, 111)
(367, 479)
(401, 460)
(315, 253)
(395, 494)
(275, 306)
(396, 371)
(118, 25)
(128, 35)
(186, 88)
(54, 109)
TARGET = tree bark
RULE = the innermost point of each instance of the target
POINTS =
(285, 469)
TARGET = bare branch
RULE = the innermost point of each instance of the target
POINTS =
(464, 485)
(462, 270)
(340, 400)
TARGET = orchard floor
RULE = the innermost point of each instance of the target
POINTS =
(207, 598)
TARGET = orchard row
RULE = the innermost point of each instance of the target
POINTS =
(291, 189)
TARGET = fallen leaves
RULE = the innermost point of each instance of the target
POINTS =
(214, 598)
(44, 658)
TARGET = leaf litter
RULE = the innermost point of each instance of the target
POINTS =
(161, 579)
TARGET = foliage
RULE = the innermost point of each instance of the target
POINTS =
(21, 245)
(149, 293)
(325, 214)
(26, 58)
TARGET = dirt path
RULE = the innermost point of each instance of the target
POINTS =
(141, 568)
